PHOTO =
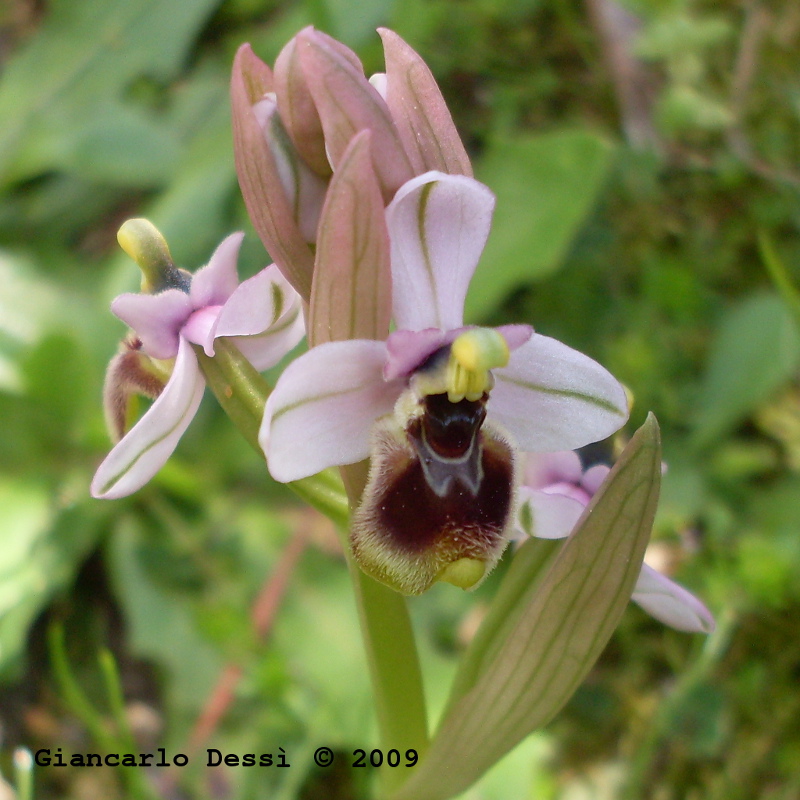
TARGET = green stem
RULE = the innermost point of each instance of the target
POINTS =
(391, 654)
(240, 389)
(135, 781)
(385, 623)
(242, 392)
(394, 670)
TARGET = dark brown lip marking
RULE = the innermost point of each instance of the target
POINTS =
(440, 489)
(415, 518)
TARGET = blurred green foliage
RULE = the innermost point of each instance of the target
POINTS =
(642, 250)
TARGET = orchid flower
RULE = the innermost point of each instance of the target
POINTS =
(262, 314)
(554, 493)
(440, 409)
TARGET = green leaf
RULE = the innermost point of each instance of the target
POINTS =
(545, 187)
(755, 350)
(162, 626)
(40, 554)
(517, 681)
(75, 71)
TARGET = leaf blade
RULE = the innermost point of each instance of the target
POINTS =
(570, 620)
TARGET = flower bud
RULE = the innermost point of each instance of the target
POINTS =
(297, 110)
(419, 111)
(304, 189)
(348, 104)
(269, 207)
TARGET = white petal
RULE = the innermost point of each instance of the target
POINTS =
(215, 283)
(258, 304)
(265, 314)
(378, 81)
(551, 397)
(146, 447)
(547, 516)
(321, 412)
(438, 225)
(264, 350)
(670, 603)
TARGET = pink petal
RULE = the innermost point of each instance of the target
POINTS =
(215, 283)
(146, 447)
(257, 304)
(324, 405)
(297, 109)
(347, 104)
(266, 202)
(200, 328)
(438, 226)
(545, 469)
(571, 490)
(515, 335)
(265, 315)
(351, 293)
(670, 603)
(304, 189)
(551, 397)
(594, 477)
(156, 318)
(408, 349)
(552, 516)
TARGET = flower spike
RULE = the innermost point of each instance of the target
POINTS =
(267, 204)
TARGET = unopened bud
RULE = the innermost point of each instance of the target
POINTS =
(304, 188)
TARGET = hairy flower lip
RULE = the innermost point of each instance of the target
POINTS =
(406, 534)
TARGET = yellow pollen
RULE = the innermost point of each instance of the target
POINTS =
(143, 242)
(472, 355)
(464, 573)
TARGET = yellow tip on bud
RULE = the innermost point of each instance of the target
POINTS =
(464, 573)
(472, 355)
(143, 242)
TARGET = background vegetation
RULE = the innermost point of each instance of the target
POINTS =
(646, 162)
